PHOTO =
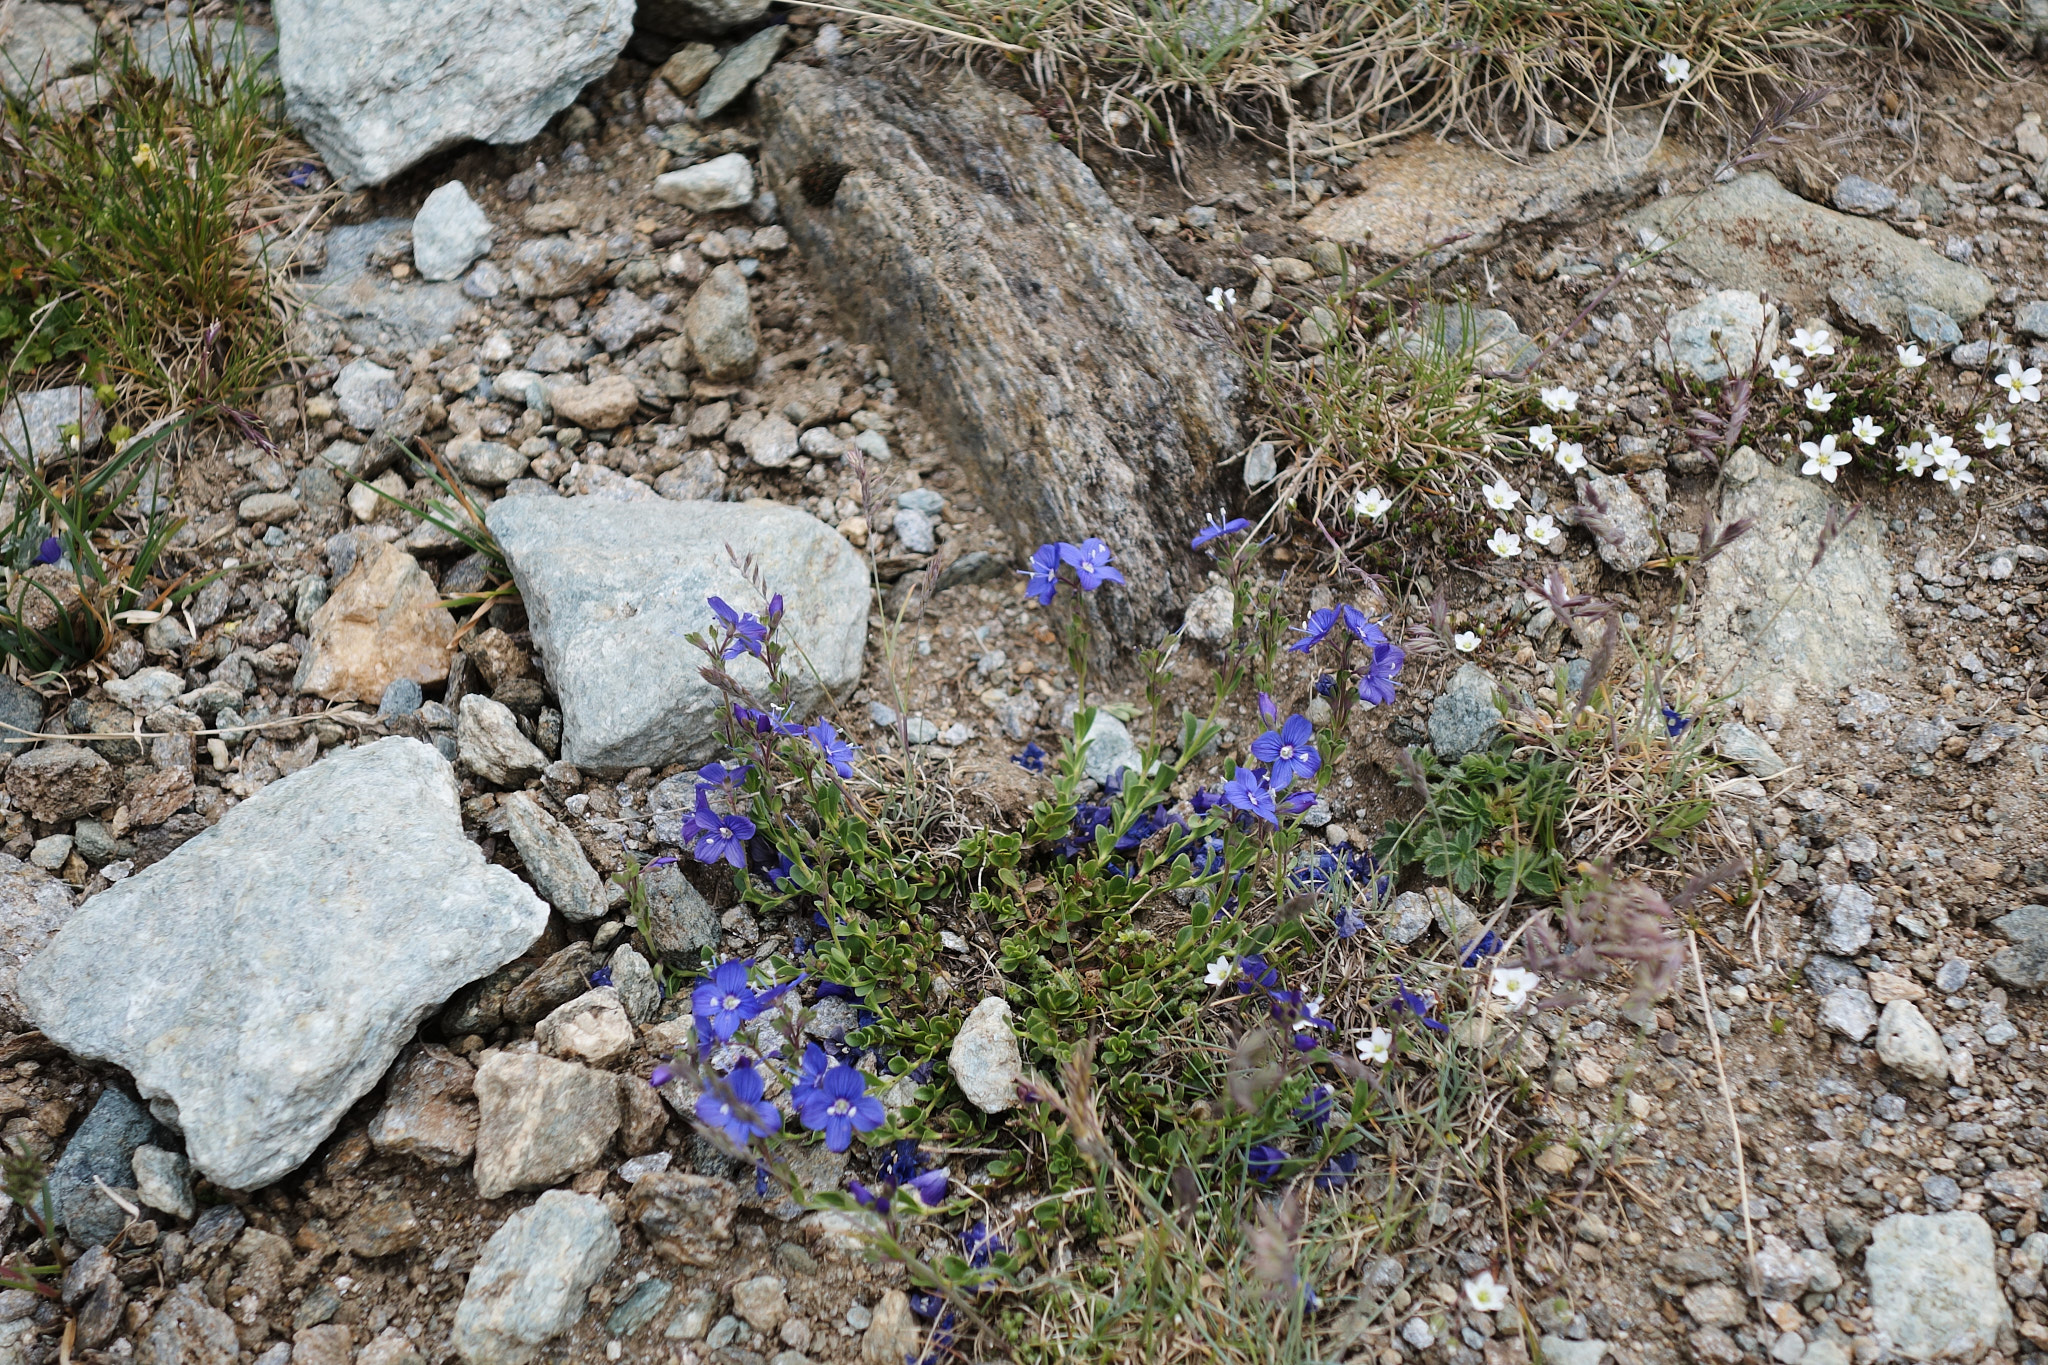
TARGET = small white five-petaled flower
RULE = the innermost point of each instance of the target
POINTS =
(1866, 430)
(1373, 503)
(1377, 1047)
(1221, 299)
(1540, 530)
(1542, 437)
(1814, 343)
(1910, 357)
(1674, 68)
(1822, 458)
(1914, 459)
(1504, 542)
(1955, 473)
(2020, 385)
(1786, 370)
(1485, 1293)
(1220, 971)
(1940, 448)
(1571, 457)
(1500, 495)
(1994, 432)
(1513, 985)
(1560, 399)
(1465, 641)
(1818, 399)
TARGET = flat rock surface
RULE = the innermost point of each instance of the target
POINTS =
(33, 906)
(1934, 1285)
(346, 297)
(612, 588)
(393, 911)
(532, 1280)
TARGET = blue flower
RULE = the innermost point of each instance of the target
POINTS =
(1259, 975)
(834, 1100)
(749, 635)
(724, 1000)
(777, 873)
(720, 837)
(1212, 531)
(1486, 945)
(303, 175)
(1338, 1170)
(738, 1112)
(1032, 760)
(1674, 723)
(1376, 686)
(1347, 921)
(930, 1188)
(50, 551)
(661, 1075)
(1289, 750)
(1249, 791)
(1314, 1109)
(980, 1244)
(1295, 803)
(876, 1198)
(715, 774)
(1264, 1162)
(1091, 563)
(601, 977)
(837, 751)
(1321, 623)
(1044, 578)
(1419, 1006)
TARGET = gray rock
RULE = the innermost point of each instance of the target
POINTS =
(1942, 1192)
(364, 392)
(163, 1180)
(553, 354)
(555, 862)
(1110, 747)
(682, 922)
(984, 1059)
(380, 85)
(742, 66)
(429, 1110)
(914, 529)
(1854, 194)
(1084, 384)
(33, 907)
(1952, 976)
(1564, 1351)
(51, 853)
(551, 267)
(488, 464)
(2031, 318)
(103, 1149)
(540, 1120)
(407, 912)
(1212, 615)
(611, 589)
(1717, 334)
(624, 320)
(534, 1278)
(1835, 628)
(1741, 745)
(43, 424)
(42, 43)
(1850, 1013)
(1485, 337)
(348, 298)
(1413, 915)
(1934, 1286)
(21, 712)
(697, 479)
(633, 979)
(1465, 718)
(1971, 355)
(688, 1217)
(187, 1330)
(1624, 532)
(1849, 909)
(592, 1028)
(1261, 465)
(449, 233)
(488, 738)
(720, 325)
(2023, 966)
(770, 442)
(402, 698)
(929, 501)
(1753, 233)
(694, 18)
(1936, 329)
(1906, 1041)
(725, 182)
(639, 1308)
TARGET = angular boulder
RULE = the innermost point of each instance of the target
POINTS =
(383, 622)
(274, 965)
(1084, 385)
(380, 85)
(533, 1280)
(612, 588)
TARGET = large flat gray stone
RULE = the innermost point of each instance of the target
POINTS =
(612, 589)
(380, 85)
(1934, 1286)
(41, 43)
(271, 968)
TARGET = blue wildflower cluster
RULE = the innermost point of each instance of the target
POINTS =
(1378, 671)
(1089, 560)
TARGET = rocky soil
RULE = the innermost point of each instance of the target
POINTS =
(322, 1004)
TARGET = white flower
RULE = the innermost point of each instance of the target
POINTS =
(1465, 641)
(1914, 459)
(1822, 459)
(1571, 457)
(1560, 399)
(1221, 298)
(1910, 357)
(1819, 399)
(1955, 473)
(1372, 503)
(1786, 370)
(1540, 531)
(1500, 495)
(1994, 432)
(1513, 985)
(1221, 970)
(1542, 437)
(1482, 1291)
(1504, 542)
(2020, 385)
(1814, 343)
(1674, 68)
(1940, 448)
(1309, 1014)
(1377, 1048)
(1866, 430)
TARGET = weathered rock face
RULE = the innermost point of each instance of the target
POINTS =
(430, 1110)
(1835, 627)
(380, 85)
(1754, 234)
(41, 43)
(533, 1278)
(46, 423)
(1423, 192)
(347, 297)
(1934, 1286)
(395, 909)
(383, 622)
(612, 588)
(540, 1120)
(1083, 384)
(33, 907)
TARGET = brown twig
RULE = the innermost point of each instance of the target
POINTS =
(1728, 1101)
